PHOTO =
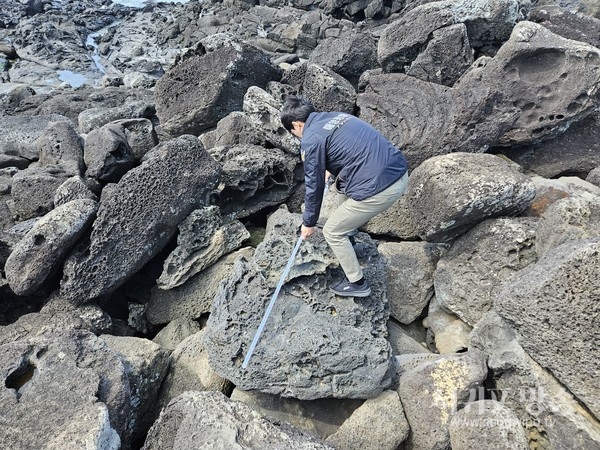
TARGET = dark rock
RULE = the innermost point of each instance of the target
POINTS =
(107, 154)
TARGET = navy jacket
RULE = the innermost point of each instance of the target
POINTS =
(363, 161)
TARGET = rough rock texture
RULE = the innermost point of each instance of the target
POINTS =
(146, 365)
(551, 416)
(570, 67)
(221, 73)
(42, 250)
(91, 410)
(486, 424)
(139, 215)
(553, 305)
(395, 221)
(365, 429)
(594, 176)
(33, 190)
(315, 344)
(488, 22)
(450, 194)
(402, 342)
(202, 240)
(327, 90)
(61, 145)
(107, 154)
(445, 331)
(254, 178)
(569, 219)
(322, 417)
(448, 383)
(410, 267)
(447, 56)
(467, 276)
(73, 188)
(349, 54)
(189, 371)
(92, 118)
(202, 419)
(193, 298)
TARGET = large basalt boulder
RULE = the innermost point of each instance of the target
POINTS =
(452, 193)
(427, 119)
(254, 178)
(450, 382)
(548, 412)
(315, 344)
(61, 145)
(33, 191)
(93, 118)
(488, 22)
(569, 24)
(222, 74)
(533, 65)
(41, 410)
(139, 215)
(447, 56)
(327, 90)
(349, 55)
(551, 305)
(42, 250)
(214, 420)
(467, 276)
(107, 154)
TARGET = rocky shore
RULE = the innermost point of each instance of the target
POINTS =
(150, 200)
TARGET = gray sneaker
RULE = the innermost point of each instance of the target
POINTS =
(346, 289)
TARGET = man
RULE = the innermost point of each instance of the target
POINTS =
(370, 174)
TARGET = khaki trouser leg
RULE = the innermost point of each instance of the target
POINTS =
(352, 214)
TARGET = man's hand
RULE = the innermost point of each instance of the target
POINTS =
(306, 232)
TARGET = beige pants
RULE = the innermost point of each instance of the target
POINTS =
(351, 214)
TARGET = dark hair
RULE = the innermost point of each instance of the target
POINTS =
(295, 108)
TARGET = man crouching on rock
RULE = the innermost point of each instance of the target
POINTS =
(370, 176)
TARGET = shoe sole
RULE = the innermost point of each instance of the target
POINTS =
(354, 294)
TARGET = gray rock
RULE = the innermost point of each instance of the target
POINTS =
(486, 424)
(550, 414)
(33, 190)
(107, 154)
(203, 238)
(140, 135)
(254, 178)
(236, 128)
(73, 188)
(569, 219)
(61, 145)
(214, 420)
(447, 56)
(139, 215)
(566, 70)
(410, 267)
(487, 23)
(92, 118)
(402, 343)
(327, 90)
(569, 24)
(450, 381)
(225, 70)
(549, 305)
(445, 331)
(146, 365)
(19, 134)
(450, 194)
(467, 276)
(193, 298)
(594, 176)
(315, 344)
(365, 429)
(322, 417)
(42, 250)
(175, 332)
(90, 410)
(349, 55)
(12, 94)
(189, 371)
